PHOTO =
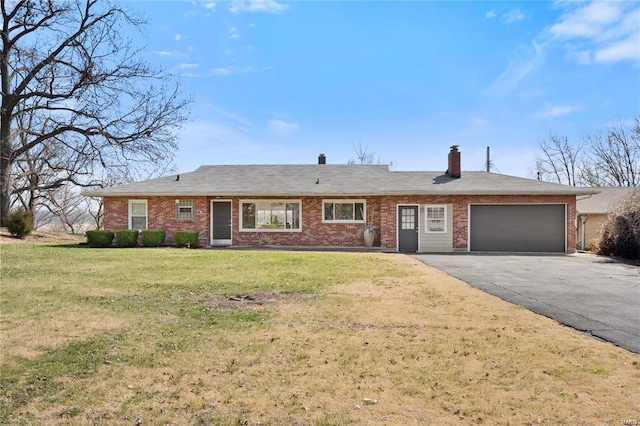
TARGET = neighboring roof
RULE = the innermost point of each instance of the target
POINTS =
(602, 202)
(330, 180)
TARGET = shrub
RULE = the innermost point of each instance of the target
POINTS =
(152, 237)
(127, 238)
(620, 234)
(186, 239)
(20, 223)
(99, 238)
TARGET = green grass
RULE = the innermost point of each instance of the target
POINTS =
(166, 297)
(110, 336)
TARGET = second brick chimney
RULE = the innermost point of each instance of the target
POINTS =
(454, 162)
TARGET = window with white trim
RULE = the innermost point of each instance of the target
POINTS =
(270, 215)
(344, 211)
(436, 219)
(185, 210)
(138, 214)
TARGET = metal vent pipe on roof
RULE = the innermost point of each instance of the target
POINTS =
(322, 159)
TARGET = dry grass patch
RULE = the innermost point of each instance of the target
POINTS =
(303, 338)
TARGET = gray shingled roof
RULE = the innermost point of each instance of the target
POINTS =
(602, 202)
(330, 180)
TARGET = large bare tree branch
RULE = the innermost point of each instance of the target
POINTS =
(610, 157)
(76, 98)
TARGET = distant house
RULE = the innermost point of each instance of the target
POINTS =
(323, 205)
(592, 211)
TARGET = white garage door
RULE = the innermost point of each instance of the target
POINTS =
(518, 228)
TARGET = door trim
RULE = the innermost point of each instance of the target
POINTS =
(398, 224)
(220, 242)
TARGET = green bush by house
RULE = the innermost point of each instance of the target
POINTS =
(100, 238)
(20, 223)
(153, 237)
(127, 238)
(186, 239)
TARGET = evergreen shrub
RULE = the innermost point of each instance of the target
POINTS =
(187, 239)
(20, 223)
(152, 237)
(127, 238)
(100, 238)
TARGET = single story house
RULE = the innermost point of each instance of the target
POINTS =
(593, 209)
(323, 205)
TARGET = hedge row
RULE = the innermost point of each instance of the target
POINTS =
(148, 237)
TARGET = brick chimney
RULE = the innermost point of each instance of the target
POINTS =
(322, 159)
(454, 162)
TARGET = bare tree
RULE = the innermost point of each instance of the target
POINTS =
(118, 175)
(615, 156)
(559, 161)
(77, 98)
(365, 156)
(69, 208)
(606, 158)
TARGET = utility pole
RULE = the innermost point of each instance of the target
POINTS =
(488, 161)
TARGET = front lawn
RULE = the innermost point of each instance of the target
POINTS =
(222, 337)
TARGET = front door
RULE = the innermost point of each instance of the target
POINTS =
(220, 223)
(408, 229)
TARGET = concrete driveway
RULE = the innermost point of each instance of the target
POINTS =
(592, 294)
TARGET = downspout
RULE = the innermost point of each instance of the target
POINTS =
(583, 219)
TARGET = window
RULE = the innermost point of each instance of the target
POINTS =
(436, 217)
(138, 214)
(270, 215)
(343, 211)
(185, 210)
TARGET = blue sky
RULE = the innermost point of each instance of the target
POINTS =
(280, 82)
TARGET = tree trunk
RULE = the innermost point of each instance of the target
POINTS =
(6, 145)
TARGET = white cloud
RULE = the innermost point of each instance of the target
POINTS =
(514, 15)
(178, 37)
(281, 127)
(257, 6)
(479, 122)
(210, 5)
(590, 32)
(187, 66)
(490, 14)
(588, 20)
(518, 68)
(232, 70)
(553, 111)
(229, 70)
(221, 71)
(600, 32)
(233, 33)
(620, 51)
(169, 54)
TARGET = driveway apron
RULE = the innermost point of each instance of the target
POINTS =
(596, 295)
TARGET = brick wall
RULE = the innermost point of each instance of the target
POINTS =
(381, 210)
(161, 215)
(461, 213)
(314, 233)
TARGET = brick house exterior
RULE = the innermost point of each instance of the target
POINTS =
(444, 209)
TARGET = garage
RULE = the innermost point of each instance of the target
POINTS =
(517, 228)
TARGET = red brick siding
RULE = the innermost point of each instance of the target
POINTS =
(161, 215)
(381, 210)
(314, 233)
(388, 212)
